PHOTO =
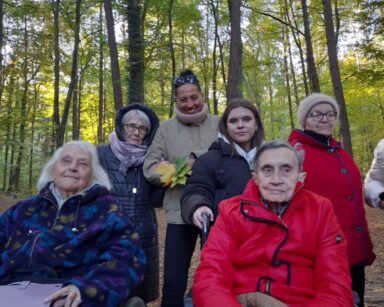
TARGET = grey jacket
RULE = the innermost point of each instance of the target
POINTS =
(174, 139)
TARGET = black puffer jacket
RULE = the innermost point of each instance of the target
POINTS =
(138, 199)
(216, 175)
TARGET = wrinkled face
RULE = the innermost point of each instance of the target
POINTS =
(277, 175)
(241, 126)
(72, 172)
(135, 130)
(321, 119)
(189, 99)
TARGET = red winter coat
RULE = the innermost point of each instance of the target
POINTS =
(331, 172)
(300, 259)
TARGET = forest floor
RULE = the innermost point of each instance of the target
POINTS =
(374, 293)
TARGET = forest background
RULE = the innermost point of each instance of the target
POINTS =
(67, 66)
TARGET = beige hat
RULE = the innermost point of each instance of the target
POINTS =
(310, 101)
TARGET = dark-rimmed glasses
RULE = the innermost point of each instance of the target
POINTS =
(131, 128)
(317, 116)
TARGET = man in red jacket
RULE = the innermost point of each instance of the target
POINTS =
(277, 244)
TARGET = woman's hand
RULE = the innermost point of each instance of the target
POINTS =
(68, 296)
(381, 204)
(197, 216)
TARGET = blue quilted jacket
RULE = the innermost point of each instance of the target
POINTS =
(88, 242)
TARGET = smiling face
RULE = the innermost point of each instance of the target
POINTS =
(189, 99)
(277, 174)
(72, 172)
(241, 126)
(324, 126)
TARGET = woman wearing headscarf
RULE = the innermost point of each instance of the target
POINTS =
(73, 232)
(225, 169)
(122, 159)
(187, 135)
(331, 172)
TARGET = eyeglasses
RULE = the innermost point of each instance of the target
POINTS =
(131, 128)
(317, 116)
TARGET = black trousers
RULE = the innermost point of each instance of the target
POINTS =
(358, 282)
(180, 241)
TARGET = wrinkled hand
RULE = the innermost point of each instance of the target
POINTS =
(258, 299)
(198, 218)
(68, 296)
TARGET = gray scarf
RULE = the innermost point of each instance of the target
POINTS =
(129, 155)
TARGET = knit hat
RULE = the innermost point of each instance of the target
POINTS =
(310, 101)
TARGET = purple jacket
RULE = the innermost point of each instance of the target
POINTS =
(88, 242)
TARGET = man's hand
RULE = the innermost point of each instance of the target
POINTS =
(258, 299)
(68, 296)
(197, 216)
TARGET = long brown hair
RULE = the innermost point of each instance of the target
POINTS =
(258, 137)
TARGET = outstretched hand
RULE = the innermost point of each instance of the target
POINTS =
(68, 296)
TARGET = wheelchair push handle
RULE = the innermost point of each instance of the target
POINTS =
(205, 229)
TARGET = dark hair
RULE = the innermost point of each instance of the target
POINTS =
(276, 144)
(258, 138)
(186, 77)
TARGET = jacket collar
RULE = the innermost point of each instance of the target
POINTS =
(299, 136)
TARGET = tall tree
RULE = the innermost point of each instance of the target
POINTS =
(311, 66)
(56, 93)
(100, 130)
(234, 86)
(113, 55)
(171, 52)
(136, 53)
(335, 76)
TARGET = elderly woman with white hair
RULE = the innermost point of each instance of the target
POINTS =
(331, 172)
(72, 232)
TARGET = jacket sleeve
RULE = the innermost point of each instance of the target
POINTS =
(213, 278)
(332, 280)
(118, 267)
(372, 190)
(199, 190)
(156, 153)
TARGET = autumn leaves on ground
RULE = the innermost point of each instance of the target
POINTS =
(374, 274)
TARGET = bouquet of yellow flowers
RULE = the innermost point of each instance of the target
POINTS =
(174, 174)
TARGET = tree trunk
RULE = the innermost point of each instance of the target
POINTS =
(311, 66)
(1, 51)
(172, 54)
(32, 137)
(335, 76)
(136, 54)
(72, 83)
(113, 54)
(215, 60)
(56, 93)
(100, 130)
(235, 52)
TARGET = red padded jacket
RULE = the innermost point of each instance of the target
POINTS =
(299, 258)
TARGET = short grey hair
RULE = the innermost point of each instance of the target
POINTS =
(98, 173)
(136, 112)
(276, 144)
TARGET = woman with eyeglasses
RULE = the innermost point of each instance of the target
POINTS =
(187, 135)
(122, 159)
(331, 172)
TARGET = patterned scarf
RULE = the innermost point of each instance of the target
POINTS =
(129, 155)
(195, 119)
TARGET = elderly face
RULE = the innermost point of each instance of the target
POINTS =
(135, 130)
(189, 99)
(321, 119)
(73, 171)
(277, 175)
